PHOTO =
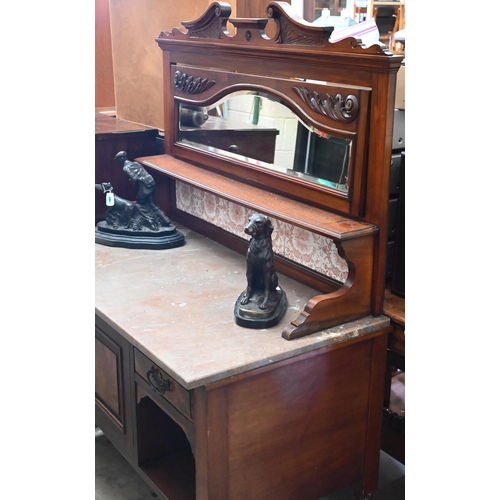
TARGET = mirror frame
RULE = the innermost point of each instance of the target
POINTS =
(331, 108)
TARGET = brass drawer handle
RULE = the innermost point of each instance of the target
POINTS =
(160, 384)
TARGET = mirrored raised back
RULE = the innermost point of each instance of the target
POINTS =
(259, 129)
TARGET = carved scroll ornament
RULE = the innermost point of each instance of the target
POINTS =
(212, 24)
(291, 29)
(191, 85)
(340, 108)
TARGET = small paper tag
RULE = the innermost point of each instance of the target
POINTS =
(110, 199)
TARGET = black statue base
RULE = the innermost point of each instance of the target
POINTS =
(251, 316)
(155, 240)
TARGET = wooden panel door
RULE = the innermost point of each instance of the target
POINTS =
(113, 387)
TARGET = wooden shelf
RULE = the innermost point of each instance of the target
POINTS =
(319, 221)
(354, 239)
(173, 475)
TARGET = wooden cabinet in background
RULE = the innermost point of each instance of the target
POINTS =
(398, 274)
(111, 136)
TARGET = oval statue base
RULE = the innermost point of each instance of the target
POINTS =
(165, 238)
(251, 316)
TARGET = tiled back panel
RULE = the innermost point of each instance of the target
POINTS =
(299, 245)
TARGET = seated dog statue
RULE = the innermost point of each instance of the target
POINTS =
(262, 303)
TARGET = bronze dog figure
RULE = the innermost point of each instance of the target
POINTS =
(261, 273)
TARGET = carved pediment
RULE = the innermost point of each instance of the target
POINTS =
(290, 30)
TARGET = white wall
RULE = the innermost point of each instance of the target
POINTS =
(272, 115)
(298, 6)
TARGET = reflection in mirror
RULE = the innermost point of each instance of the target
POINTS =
(260, 130)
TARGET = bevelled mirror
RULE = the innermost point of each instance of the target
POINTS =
(256, 128)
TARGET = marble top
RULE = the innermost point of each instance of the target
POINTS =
(177, 307)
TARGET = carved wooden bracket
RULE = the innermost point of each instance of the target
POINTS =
(338, 108)
(349, 302)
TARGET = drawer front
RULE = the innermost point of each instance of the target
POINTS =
(163, 385)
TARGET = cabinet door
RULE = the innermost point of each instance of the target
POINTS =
(113, 387)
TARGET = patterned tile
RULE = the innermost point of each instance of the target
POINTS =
(315, 252)
(299, 245)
